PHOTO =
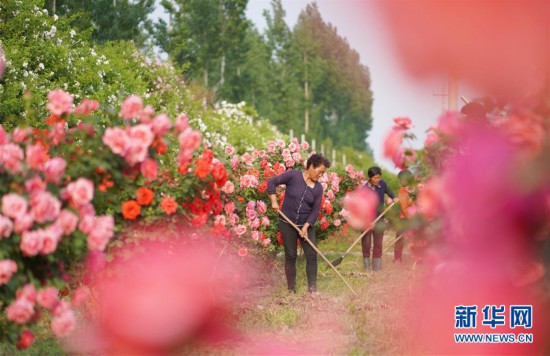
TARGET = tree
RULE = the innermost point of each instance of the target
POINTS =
(111, 20)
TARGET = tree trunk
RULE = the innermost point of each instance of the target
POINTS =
(306, 93)
(222, 71)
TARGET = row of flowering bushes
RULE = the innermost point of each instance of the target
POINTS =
(68, 188)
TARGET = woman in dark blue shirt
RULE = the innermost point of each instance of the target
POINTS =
(302, 203)
(380, 187)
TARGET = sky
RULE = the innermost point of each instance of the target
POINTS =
(395, 94)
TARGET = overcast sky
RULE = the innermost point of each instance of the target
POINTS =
(394, 93)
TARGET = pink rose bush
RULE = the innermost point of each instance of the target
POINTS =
(247, 209)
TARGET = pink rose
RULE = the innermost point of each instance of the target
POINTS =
(255, 235)
(402, 123)
(449, 123)
(28, 292)
(280, 143)
(36, 156)
(229, 150)
(337, 222)
(290, 163)
(11, 156)
(251, 205)
(13, 205)
(44, 207)
(143, 134)
(247, 159)
(219, 221)
(35, 185)
(63, 324)
(149, 169)
(81, 192)
(60, 308)
(57, 133)
(265, 221)
(235, 162)
(330, 195)
(136, 152)
(181, 122)
(251, 214)
(261, 206)
(255, 223)
(50, 238)
(101, 234)
(146, 114)
(87, 223)
(228, 187)
(189, 139)
(266, 242)
(305, 146)
(59, 102)
(293, 147)
(20, 311)
(23, 223)
(392, 143)
(67, 221)
(240, 229)
(248, 181)
(6, 227)
(47, 298)
(86, 106)
(271, 145)
(161, 124)
(296, 157)
(131, 107)
(361, 208)
(54, 169)
(7, 269)
(431, 138)
(117, 140)
(233, 219)
(229, 208)
(20, 135)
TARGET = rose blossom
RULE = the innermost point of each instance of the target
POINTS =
(161, 124)
(7, 269)
(59, 102)
(131, 107)
(142, 133)
(229, 208)
(13, 205)
(181, 122)
(149, 169)
(23, 223)
(44, 207)
(117, 140)
(11, 156)
(240, 229)
(50, 238)
(47, 298)
(54, 169)
(6, 227)
(392, 143)
(337, 222)
(228, 187)
(189, 139)
(21, 134)
(229, 150)
(67, 221)
(81, 192)
(361, 208)
(402, 123)
(255, 235)
(261, 206)
(63, 324)
(34, 185)
(265, 221)
(20, 311)
(36, 156)
(233, 219)
(86, 106)
(254, 224)
(101, 234)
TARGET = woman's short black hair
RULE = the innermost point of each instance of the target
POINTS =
(405, 176)
(317, 160)
(374, 171)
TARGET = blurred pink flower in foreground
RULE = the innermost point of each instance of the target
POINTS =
(361, 208)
